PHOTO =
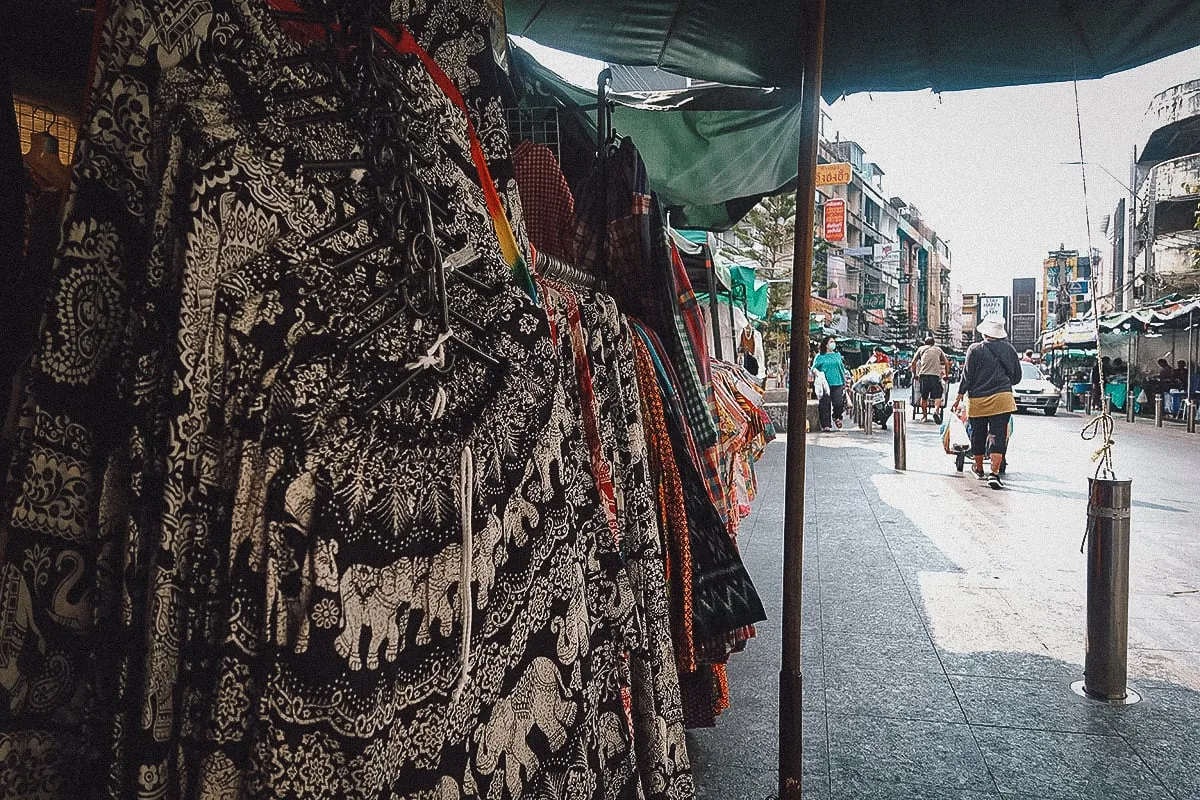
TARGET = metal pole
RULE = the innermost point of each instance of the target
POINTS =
(1158, 410)
(791, 678)
(868, 418)
(1105, 666)
(1129, 398)
(714, 309)
(899, 436)
(1191, 350)
(1190, 406)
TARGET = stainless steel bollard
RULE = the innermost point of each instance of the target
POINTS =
(868, 419)
(1130, 405)
(899, 436)
(1158, 410)
(1106, 659)
(1190, 409)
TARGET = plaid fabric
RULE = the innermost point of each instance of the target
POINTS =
(547, 204)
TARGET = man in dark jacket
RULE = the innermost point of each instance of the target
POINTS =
(992, 369)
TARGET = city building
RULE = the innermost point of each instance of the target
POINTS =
(1067, 275)
(970, 319)
(1164, 238)
(1024, 328)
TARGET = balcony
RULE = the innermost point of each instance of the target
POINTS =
(1174, 188)
(1172, 124)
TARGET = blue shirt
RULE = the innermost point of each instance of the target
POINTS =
(834, 367)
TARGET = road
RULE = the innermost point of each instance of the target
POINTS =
(944, 623)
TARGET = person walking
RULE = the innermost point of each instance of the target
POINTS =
(830, 363)
(992, 370)
(930, 365)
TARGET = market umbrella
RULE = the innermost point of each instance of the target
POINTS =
(870, 45)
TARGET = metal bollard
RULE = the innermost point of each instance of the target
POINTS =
(899, 436)
(1158, 410)
(868, 419)
(1106, 661)
(1130, 405)
(1190, 410)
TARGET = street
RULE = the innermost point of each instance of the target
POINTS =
(944, 624)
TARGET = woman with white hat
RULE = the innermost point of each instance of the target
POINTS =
(991, 371)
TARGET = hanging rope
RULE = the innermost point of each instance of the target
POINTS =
(1100, 428)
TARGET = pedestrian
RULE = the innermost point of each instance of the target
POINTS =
(830, 363)
(879, 356)
(930, 365)
(1028, 357)
(991, 372)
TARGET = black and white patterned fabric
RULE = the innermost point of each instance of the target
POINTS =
(239, 561)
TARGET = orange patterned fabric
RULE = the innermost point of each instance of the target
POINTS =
(672, 512)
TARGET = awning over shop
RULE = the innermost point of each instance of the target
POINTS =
(711, 152)
(1172, 314)
(870, 45)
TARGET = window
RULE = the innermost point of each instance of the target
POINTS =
(871, 212)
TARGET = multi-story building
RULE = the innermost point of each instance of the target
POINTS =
(970, 318)
(1067, 277)
(1163, 239)
(1024, 330)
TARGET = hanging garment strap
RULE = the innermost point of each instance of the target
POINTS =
(401, 41)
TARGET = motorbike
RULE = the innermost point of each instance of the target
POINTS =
(872, 386)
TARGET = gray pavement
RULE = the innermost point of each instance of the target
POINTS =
(944, 624)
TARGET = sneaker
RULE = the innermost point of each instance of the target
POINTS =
(995, 482)
(980, 474)
(825, 430)
(839, 424)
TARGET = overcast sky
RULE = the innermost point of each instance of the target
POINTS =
(984, 166)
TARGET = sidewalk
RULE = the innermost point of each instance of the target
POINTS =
(943, 625)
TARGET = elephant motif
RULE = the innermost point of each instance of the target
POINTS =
(441, 576)
(371, 599)
(16, 623)
(538, 700)
(486, 556)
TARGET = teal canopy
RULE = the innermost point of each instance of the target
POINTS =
(711, 152)
(870, 45)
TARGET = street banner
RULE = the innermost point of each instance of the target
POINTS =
(887, 256)
(835, 220)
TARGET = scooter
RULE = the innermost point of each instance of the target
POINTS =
(873, 388)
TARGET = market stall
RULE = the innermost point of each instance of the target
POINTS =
(314, 409)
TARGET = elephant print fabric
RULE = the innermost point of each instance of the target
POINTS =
(241, 562)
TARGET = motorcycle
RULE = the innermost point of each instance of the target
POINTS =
(872, 386)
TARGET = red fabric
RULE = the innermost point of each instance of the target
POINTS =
(547, 204)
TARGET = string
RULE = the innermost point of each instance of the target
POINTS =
(1102, 426)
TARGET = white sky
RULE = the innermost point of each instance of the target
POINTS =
(983, 166)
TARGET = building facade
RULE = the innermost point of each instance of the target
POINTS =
(1067, 277)
(1161, 233)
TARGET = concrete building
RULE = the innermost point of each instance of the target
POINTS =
(970, 319)
(1167, 185)
(1067, 277)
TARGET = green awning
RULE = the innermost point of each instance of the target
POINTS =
(711, 153)
(870, 45)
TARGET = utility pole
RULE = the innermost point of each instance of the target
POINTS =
(1062, 311)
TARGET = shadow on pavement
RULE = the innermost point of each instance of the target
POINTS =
(927, 674)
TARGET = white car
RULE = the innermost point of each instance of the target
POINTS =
(1035, 391)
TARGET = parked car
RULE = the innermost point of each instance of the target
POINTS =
(1035, 391)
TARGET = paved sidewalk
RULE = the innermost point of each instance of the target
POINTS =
(944, 624)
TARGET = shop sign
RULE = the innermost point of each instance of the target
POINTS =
(887, 256)
(1078, 288)
(835, 220)
(834, 174)
(992, 306)
(857, 251)
(874, 301)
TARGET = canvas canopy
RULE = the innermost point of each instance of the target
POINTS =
(870, 45)
(711, 152)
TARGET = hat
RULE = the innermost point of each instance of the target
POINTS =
(992, 327)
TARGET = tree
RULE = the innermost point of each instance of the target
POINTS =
(898, 325)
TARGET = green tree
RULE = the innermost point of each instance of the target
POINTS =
(767, 237)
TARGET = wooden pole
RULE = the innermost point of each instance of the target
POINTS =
(791, 680)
